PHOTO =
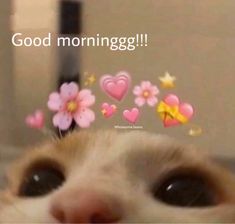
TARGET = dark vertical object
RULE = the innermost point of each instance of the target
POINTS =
(71, 13)
(70, 24)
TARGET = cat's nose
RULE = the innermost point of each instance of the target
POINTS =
(84, 207)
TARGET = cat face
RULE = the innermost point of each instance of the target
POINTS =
(108, 177)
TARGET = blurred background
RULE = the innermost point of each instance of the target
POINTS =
(192, 40)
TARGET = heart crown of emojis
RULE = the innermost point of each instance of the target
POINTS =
(72, 104)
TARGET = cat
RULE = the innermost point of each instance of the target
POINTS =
(117, 177)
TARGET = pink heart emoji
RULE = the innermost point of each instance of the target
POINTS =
(108, 110)
(131, 115)
(184, 108)
(35, 120)
(116, 86)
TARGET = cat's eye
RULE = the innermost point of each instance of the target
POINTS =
(185, 190)
(40, 181)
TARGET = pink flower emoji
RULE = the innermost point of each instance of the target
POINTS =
(71, 104)
(145, 93)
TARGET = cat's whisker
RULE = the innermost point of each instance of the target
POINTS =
(60, 133)
(52, 134)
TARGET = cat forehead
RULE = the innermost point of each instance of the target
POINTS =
(112, 143)
(109, 145)
(117, 141)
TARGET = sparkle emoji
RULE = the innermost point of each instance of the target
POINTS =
(195, 131)
(90, 79)
(167, 81)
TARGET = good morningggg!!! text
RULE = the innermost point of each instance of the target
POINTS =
(113, 43)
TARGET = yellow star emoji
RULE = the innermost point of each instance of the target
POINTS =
(167, 81)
